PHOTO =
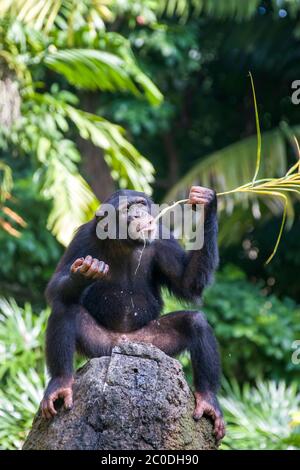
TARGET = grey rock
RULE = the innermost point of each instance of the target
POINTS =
(136, 399)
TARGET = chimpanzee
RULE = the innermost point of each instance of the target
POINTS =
(98, 299)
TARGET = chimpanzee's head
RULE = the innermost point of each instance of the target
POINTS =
(127, 216)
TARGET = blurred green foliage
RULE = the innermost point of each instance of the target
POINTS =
(255, 331)
(22, 370)
(81, 70)
(261, 417)
(26, 263)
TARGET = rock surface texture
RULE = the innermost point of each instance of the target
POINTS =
(136, 399)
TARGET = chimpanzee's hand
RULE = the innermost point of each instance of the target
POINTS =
(207, 405)
(58, 388)
(200, 195)
(90, 268)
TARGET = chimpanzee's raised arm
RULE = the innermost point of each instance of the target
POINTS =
(186, 274)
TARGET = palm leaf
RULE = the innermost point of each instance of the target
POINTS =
(39, 14)
(260, 417)
(234, 165)
(94, 69)
(128, 166)
(73, 201)
(278, 189)
(240, 10)
(42, 14)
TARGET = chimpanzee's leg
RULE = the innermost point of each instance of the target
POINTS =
(92, 339)
(60, 348)
(172, 333)
(188, 330)
(70, 327)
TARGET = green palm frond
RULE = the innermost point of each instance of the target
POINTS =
(260, 417)
(91, 69)
(95, 69)
(127, 165)
(107, 64)
(37, 13)
(235, 165)
(73, 201)
(19, 400)
(42, 14)
(20, 336)
(45, 121)
(238, 9)
(22, 372)
(41, 130)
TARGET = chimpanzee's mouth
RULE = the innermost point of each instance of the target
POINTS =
(148, 227)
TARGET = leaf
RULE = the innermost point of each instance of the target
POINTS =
(128, 166)
(37, 13)
(95, 69)
(233, 166)
(240, 10)
(258, 156)
(259, 417)
(73, 199)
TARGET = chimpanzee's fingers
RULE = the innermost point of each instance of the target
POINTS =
(205, 193)
(44, 409)
(199, 200)
(219, 428)
(45, 413)
(77, 263)
(202, 190)
(198, 412)
(68, 399)
(50, 403)
(101, 266)
(93, 268)
(49, 409)
(96, 270)
(106, 269)
(86, 264)
(102, 270)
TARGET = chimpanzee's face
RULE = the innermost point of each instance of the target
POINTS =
(127, 216)
(135, 214)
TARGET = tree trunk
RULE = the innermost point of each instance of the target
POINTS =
(136, 399)
(95, 168)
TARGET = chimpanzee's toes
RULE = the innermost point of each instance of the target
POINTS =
(207, 405)
(219, 428)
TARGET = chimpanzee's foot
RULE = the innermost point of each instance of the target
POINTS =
(58, 388)
(207, 404)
